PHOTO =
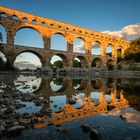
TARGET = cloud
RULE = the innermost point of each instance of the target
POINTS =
(79, 47)
(130, 31)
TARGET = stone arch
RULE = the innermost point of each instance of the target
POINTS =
(83, 61)
(119, 53)
(41, 58)
(96, 48)
(3, 31)
(110, 61)
(109, 49)
(64, 59)
(3, 55)
(58, 41)
(80, 45)
(3, 14)
(97, 62)
(38, 38)
(15, 17)
(24, 19)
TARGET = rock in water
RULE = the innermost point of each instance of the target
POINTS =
(15, 130)
(95, 134)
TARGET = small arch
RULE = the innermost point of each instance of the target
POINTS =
(97, 62)
(3, 15)
(24, 19)
(95, 97)
(96, 48)
(14, 17)
(51, 25)
(43, 24)
(80, 61)
(34, 21)
(58, 42)
(96, 84)
(79, 45)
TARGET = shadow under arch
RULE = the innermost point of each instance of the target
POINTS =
(97, 62)
(63, 57)
(33, 52)
(37, 33)
(83, 61)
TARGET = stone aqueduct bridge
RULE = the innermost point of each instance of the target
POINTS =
(14, 20)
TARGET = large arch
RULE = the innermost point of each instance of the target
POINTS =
(63, 58)
(42, 61)
(79, 45)
(3, 32)
(58, 42)
(96, 48)
(109, 49)
(83, 61)
(97, 62)
(28, 36)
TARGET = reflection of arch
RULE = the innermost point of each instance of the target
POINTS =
(79, 45)
(35, 36)
(64, 59)
(97, 62)
(96, 84)
(110, 83)
(58, 42)
(82, 84)
(83, 60)
(35, 53)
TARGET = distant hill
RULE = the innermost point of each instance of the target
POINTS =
(25, 64)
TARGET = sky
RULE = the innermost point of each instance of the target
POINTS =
(116, 17)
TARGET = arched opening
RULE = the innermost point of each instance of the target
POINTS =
(96, 48)
(28, 61)
(24, 19)
(110, 64)
(119, 54)
(2, 34)
(27, 36)
(110, 83)
(97, 62)
(57, 85)
(58, 42)
(34, 21)
(3, 15)
(58, 61)
(109, 50)
(80, 61)
(79, 45)
(14, 17)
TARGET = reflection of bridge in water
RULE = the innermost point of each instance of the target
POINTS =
(89, 107)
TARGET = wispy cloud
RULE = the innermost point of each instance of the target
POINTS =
(130, 31)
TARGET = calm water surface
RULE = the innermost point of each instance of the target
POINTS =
(40, 101)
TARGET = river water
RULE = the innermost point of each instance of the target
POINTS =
(36, 107)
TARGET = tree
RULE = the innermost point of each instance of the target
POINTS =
(133, 52)
(58, 64)
(76, 63)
